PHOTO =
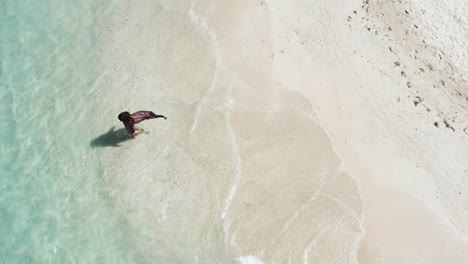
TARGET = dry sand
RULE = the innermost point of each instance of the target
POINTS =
(297, 132)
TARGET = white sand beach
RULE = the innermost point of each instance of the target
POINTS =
(297, 132)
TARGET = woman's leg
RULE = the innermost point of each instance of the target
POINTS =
(137, 132)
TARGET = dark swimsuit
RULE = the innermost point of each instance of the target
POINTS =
(137, 117)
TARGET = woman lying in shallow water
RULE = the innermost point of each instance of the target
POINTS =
(130, 120)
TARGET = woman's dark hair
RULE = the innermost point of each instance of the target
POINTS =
(124, 116)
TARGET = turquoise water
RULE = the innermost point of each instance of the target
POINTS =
(53, 204)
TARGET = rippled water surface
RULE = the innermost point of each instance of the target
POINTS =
(53, 205)
(240, 172)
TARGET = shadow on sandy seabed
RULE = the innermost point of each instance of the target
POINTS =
(111, 139)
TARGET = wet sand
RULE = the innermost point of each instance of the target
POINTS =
(295, 133)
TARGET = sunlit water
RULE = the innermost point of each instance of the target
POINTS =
(53, 205)
(223, 179)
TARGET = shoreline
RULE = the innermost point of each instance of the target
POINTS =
(322, 124)
(342, 134)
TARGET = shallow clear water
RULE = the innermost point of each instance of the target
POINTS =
(223, 179)
(53, 205)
